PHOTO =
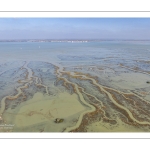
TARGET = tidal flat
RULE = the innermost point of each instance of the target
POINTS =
(97, 86)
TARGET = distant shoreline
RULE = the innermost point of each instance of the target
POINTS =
(71, 40)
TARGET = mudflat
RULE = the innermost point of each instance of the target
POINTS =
(75, 87)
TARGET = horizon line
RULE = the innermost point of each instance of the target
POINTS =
(61, 39)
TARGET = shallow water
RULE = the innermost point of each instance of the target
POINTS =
(107, 79)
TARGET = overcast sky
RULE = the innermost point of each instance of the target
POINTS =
(74, 28)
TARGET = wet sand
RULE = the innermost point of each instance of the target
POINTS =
(43, 108)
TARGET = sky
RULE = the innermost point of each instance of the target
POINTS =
(75, 28)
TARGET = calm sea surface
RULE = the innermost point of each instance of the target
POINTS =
(47, 51)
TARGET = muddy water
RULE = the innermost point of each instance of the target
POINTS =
(94, 54)
(92, 108)
(109, 95)
(27, 81)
